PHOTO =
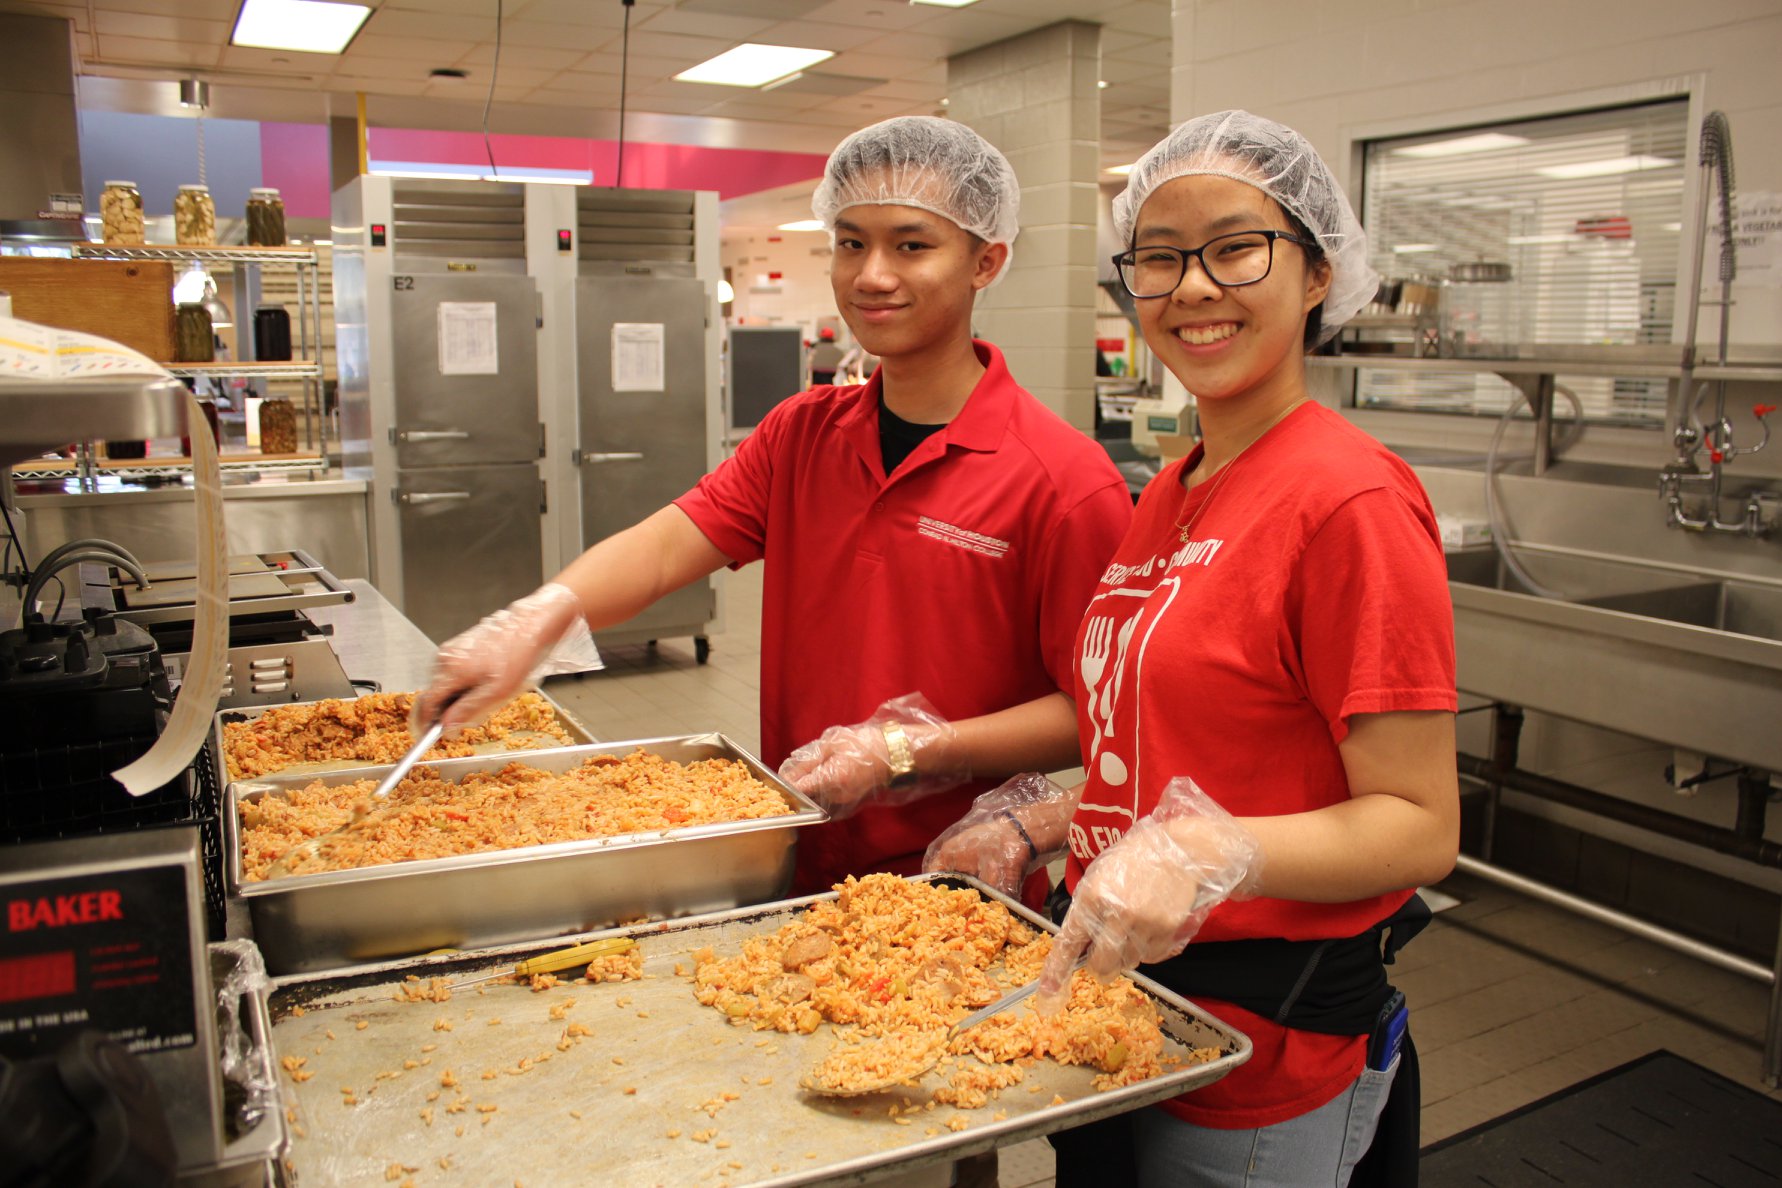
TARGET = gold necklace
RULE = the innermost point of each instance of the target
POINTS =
(1183, 530)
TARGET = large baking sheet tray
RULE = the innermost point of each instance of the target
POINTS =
(348, 917)
(653, 1037)
(579, 735)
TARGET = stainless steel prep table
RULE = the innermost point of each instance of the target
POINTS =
(600, 1109)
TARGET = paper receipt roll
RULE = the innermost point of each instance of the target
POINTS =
(195, 704)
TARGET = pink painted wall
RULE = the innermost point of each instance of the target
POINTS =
(295, 160)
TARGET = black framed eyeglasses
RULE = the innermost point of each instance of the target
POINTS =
(1241, 258)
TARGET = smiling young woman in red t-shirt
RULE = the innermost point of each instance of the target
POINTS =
(1265, 689)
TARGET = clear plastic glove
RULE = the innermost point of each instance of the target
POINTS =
(1143, 898)
(489, 663)
(849, 766)
(1009, 832)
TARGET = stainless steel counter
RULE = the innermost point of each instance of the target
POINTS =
(375, 642)
(324, 516)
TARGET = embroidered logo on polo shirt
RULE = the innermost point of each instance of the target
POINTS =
(964, 538)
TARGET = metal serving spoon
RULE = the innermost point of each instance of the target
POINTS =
(303, 851)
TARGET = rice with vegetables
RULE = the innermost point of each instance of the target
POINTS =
(426, 816)
(374, 729)
(895, 963)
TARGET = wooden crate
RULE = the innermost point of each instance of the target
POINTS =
(128, 301)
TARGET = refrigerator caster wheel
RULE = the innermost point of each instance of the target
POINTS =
(702, 649)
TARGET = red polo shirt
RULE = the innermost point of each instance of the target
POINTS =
(962, 576)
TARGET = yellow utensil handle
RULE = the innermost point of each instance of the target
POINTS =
(569, 958)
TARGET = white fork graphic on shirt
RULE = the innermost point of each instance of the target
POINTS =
(1097, 638)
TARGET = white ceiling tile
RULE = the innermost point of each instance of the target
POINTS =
(551, 34)
(1150, 17)
(162, 28)
(603, 14)
(433, 51)
(367, 66)
(221, 10)
(679, 46)
(382, 84)
(872, 14)
(276, 62)
(914, 92)
(402, 22)
(908, 45)
(816, 35)
(117, 50)
(483, 9)
(532, 57)
(872, 65)
(968, 28)
(703, 24)
(667, 106)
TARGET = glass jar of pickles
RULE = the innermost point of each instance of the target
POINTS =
(120, 214)
(194, 217)
(265, 218)
(193, 336)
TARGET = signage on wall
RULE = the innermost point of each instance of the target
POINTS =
(1757, 239)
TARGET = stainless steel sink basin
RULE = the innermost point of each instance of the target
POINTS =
(1741, 608)
(1661, 654)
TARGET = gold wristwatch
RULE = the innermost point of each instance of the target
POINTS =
(901, 755)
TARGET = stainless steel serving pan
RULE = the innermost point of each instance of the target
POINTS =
(600, 1111)
(348, 917)
(579, 735)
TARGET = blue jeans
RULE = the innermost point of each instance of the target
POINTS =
(1315, 1150)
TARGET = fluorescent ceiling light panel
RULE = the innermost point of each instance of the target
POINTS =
(751, 65)
(945, 3)
(1122, 170)
(1405, 249)
(804, 225)
(309, 26)
(1483, 142)
(1607, 167)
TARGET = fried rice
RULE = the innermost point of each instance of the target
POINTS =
(893, 964)
(426, 816)
(374, 729)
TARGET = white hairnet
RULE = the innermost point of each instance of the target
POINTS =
(937, 165)
(1282, 164)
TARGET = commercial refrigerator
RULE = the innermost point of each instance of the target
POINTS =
(634, 386)
(438, 341)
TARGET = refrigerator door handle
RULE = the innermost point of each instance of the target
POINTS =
(612, 457)
(413, 497)
(430, 434)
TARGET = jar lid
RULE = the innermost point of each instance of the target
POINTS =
(195, 187)
(263, 192)
(125, 184)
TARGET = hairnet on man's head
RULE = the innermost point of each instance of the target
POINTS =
(1282, 164)
(934, 164)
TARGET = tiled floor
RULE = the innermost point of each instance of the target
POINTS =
(1511, 999)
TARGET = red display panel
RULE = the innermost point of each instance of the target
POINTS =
(39, 975)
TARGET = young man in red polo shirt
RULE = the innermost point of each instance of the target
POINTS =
(931, 537)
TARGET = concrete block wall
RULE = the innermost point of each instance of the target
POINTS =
(1035, 97)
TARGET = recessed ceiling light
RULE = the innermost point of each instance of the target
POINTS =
(1122, 170)
(1607, 167)
(945, 3)
(311, 26)
(1101, 84)
(751, 65)
(1406, 249)
(1455, 146)
(804, 225)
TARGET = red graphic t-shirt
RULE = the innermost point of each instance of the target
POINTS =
(1311, 587)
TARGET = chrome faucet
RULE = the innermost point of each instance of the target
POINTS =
(1684, 471)
(1692, 435)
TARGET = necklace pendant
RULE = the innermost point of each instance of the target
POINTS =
(1184, 533)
